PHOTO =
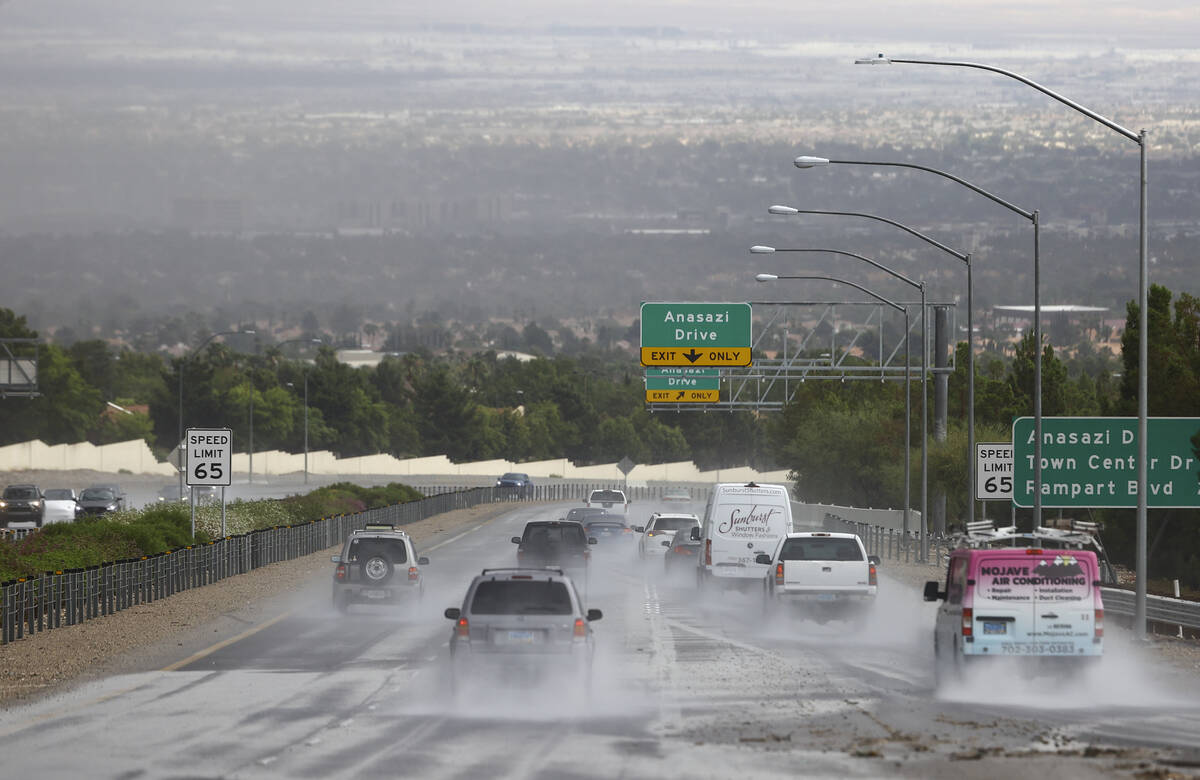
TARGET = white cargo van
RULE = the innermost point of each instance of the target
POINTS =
(741, 522)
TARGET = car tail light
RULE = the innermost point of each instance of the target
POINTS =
(779, 573)
(1033, 551)
(872, 576)
(968, 618)
(1099, 624)
(708, 552)
(340, 572)
(462, 628)
(413, 573)
(580, 629)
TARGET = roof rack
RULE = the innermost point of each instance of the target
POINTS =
(370, 527)
(1081, 534)
(539, 569)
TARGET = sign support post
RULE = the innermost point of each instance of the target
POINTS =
(209, 459)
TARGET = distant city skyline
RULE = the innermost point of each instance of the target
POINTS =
(971, 23)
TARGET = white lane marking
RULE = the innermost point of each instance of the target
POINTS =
(663, 661)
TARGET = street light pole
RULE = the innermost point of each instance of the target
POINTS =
(965, 257)
(805, 162)
(907, 375)
(766, 250)
(280, 346)
(183, 361)
(1140, 138)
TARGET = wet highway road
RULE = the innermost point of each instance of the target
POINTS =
(686, 686)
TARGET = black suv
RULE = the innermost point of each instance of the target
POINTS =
(22, 502)
(378, 565)
(559, 543)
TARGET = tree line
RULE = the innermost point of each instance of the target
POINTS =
(844, 443)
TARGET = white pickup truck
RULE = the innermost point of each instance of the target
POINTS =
(827, 575)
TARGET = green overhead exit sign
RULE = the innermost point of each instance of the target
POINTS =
(696, 334)
(1092, 462)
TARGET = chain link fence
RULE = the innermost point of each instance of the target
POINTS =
(889, 543)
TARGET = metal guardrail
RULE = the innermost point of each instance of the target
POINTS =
(896, 545)
(54, 599)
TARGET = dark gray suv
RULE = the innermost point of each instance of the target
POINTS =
(521, 615)
(21, 502)
(378, 565)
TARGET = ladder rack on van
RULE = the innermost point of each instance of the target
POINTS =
(1082, 535)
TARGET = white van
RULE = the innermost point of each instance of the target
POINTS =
(741, 522)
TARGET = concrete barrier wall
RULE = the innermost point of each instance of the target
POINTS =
(135, 457)
(815, 515)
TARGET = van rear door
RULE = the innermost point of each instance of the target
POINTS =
(746, 521)
(1064, 612)
(1034, 602)
(1002, 606)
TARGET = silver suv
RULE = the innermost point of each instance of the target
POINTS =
(523, 614)
(378, 565)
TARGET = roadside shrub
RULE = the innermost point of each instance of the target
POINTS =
(161, 527)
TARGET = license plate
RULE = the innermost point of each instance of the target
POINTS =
(995, 628)
(521, 638)
(377, 594)
(826, 596)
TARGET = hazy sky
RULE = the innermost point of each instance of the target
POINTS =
(1174, 23)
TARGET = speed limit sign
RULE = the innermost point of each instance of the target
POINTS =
(209, 456)
(993, 472)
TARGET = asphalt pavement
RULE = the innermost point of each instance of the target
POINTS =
(687, 685)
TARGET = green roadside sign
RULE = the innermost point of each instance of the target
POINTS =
(683, 378)
(696, 334)
(1092, 462)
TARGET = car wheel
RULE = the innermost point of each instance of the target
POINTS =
(377, 569)
(342, 602)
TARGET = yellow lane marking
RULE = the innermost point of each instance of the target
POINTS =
(225, 643)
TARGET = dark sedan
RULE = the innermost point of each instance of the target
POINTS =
(682, 552)
(520, 484)
(96, 501)
(610, 531)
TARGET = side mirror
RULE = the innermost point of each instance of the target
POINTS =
(516, 540)
(932, 593)
(594, 614)
(335, 558)
(763, 558)
(422, 561)
(641, 529)
(666, 543)
(591, 540)
(453, 613)
(696, 534)
(873, 560)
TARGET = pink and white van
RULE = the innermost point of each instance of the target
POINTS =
(1017, 602)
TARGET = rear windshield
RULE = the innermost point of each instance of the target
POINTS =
(1024, 578)
(554, 535)
(608, 497)
(521, 597)
(820, 549)
(674, 523)
(58, 494)
(584, 513)
(393, 549)
(20, 492)
(606, 525)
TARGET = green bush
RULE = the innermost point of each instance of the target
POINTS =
(161, 527)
